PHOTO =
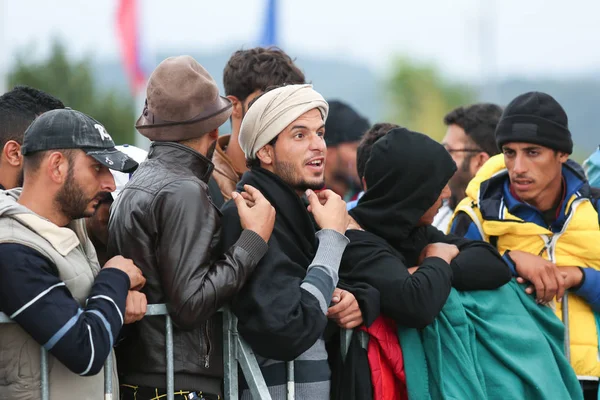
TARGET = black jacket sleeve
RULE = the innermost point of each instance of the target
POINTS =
(411, 300)
(478, 266)
(196, 279)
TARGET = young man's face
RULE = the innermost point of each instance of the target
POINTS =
(87, 184)
(533, 169)
(298, 156)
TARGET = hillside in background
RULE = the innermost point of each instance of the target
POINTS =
(363, 89)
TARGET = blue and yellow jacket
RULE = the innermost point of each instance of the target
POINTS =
(572, 240)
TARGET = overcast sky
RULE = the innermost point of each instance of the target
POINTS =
(530, 37)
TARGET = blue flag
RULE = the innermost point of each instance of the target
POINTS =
(269, 33)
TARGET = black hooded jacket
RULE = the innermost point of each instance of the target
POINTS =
(405, 175)
(276, 318)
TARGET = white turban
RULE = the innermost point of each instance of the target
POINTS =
(274, 111)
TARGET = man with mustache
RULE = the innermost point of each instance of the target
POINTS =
(535, 205)
(97, 225)
(471, 142)
(18, 108)
(51, 283)
(283, 309)
(165, 220)
(247, 75)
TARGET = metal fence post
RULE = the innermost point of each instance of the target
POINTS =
(45, 390)
(565, 318)
(291, 389)
(229, 355)
(108, 386)
(170, 369)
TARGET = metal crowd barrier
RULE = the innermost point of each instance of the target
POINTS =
(236, 351)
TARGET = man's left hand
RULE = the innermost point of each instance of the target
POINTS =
(345, 312)
(135, 307)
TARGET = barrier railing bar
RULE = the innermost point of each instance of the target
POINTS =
(565, 318)
(229, 353)
(108, 384)
(45, 392)
(170, 369)
(291, 389)
(256, 382)
(235, 350)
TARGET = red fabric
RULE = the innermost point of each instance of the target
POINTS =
(385, 360)
(127, 31)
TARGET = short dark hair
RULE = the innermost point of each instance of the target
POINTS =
(18, 109)
(256, 69)
(33, 161)
(371, 136)
(479, 122)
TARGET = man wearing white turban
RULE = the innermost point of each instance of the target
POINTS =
(283, 309)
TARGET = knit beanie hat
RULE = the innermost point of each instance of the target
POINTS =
(537, 118)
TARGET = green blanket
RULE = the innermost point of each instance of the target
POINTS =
(489, 345)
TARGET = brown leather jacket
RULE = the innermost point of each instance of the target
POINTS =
(225, 173)
(166, 223)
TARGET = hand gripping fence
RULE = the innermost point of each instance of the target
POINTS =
(236, 351)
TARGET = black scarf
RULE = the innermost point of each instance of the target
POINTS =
(405, 174)
(293, 219)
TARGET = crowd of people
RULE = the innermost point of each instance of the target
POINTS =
(454, 259)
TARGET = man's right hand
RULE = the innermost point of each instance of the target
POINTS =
(329, 210)
(446, 252)
(256, 213)
(545, 277)
(136, 279)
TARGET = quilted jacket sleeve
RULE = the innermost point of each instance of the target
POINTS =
(196, 279)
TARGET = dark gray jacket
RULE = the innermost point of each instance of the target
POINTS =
(165, 221)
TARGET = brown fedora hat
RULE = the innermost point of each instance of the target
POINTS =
(182, 102)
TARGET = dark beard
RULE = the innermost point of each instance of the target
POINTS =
(286, 172)
(71, 199)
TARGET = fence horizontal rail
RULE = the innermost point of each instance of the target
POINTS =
(235, 350)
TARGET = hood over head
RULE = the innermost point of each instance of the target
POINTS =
(405, 175)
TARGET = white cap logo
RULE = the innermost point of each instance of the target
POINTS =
(109, 161)
(103, 134)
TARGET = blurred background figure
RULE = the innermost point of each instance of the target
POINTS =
(18, 108)
(592, 169)
(470, 140)
(97, 225)
(343, 130)
(247, 74)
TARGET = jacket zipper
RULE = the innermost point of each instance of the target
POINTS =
(208, 345)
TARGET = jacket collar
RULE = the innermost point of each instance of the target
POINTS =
(495, 196)
(222, 161)
(292, 214)
(183, 156)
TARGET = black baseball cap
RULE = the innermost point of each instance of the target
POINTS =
(71, 129)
